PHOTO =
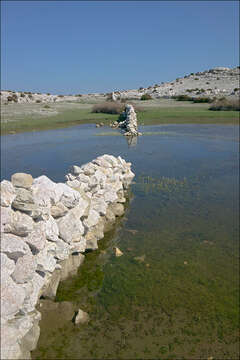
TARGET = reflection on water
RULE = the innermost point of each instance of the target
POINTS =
(131, 140)
(174, 293)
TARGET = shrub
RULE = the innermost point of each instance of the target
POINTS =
(146, 97)
(192, 74)
(47, 107)
(236, 89)
(30, 96)
(182, 98)
(38, 101)
(226, 105)
(12, 98)
(141, 88)
(207, 83)
(61, 96)
(22, 95)
(202, 100)
(48, 94)
(79, 95)
(218, 78)
(108, 108)
(196, 79)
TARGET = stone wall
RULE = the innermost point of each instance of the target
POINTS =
(45, 229)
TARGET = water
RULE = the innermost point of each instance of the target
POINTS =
(174, 292)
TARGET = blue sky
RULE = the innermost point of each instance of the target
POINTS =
(70, 47)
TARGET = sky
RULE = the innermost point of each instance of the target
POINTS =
(72, 47)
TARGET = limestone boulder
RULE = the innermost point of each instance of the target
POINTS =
(10, 348)
(25, 269)
(14, 246)
(51, 229)
(117, 209)
(58, 210)
(24, 201)
(7, 265)
(79, 246)
(36, 239)
(22, 180)
(12, 296)
(81, 317)
(70, 227)
(20, 224)
(70, 197)
(34, 292)
(5, 216)
(45, 192)
(99, 205)
(110, 195)
(62, 249)
(76, 170)
(89, 169)
(8, 193)
(46, 261)
(92, 219)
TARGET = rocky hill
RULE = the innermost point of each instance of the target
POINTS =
(217, 82)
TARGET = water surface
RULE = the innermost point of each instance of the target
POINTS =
(174, 292)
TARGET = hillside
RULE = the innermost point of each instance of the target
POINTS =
(217, 82)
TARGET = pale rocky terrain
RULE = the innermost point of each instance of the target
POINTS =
(45, 229)
(217, 82)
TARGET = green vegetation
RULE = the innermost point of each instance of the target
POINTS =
(108, 107)
(226, 105)
(146, 97)
(151, 114)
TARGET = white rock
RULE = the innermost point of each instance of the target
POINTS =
(14, 246)
(37, 283)
(12, 296)
(99, 205)
(51, 229)
(79, 246)
(62, 250)
(45, 191)
(81, 317)
(58, 210)
(83, 178)
(110, 195)
(70, 197)
(7, 264)
(37, 238)
(10, 348)
(75, 170)
(22, 180)
(70, 227)
(25, 269)
(8, 193)
(45, 261)
(92, 219)
(24, 201)
(6, 216)
(20, 224)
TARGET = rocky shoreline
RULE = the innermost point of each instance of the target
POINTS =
(45, 228)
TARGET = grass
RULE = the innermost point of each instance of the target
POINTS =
(150, 115)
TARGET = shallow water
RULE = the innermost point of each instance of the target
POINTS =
(174, 292)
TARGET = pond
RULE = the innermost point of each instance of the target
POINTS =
(174, 293)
